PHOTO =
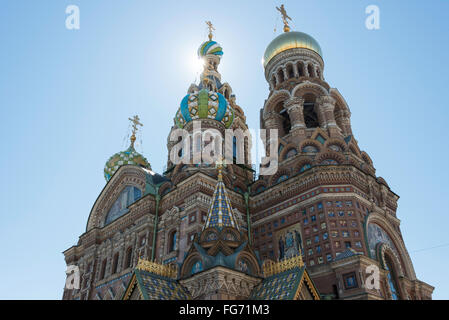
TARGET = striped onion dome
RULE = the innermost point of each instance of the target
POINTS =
(210, 47)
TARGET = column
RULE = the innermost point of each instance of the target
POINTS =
(295, 109)
(327, 107)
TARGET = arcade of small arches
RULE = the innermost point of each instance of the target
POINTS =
(295, 69)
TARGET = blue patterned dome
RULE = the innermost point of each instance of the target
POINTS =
(204, 104)
(210, 47)
(129, 156)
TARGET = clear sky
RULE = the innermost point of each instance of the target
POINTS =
(66, 95)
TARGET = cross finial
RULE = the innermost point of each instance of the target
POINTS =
(136, 122)
(211, 29)
(285, 17)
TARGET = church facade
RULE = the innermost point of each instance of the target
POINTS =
(322, 226)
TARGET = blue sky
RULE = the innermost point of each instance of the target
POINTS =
(66, 95)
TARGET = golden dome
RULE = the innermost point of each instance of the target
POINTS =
(290, 40)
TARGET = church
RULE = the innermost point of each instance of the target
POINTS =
(322, 226)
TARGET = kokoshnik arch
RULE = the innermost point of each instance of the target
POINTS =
(208, 231)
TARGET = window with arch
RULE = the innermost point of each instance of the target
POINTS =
(280, 76)
(103, 269)
(260, 189)
(300, 69)
(310, 70)
(305, 167)
(128, 257)
(290, 72)
(115, 263)
(172, 244)
(391, 277)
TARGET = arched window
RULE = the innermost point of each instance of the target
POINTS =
(173, 241)
(391, 277)
(103, 269)
(305, 167)
(260, 188)
(280, 76)
(300, 69)
(115, 263)
(290, 72)
(128, 257)
(310, 69)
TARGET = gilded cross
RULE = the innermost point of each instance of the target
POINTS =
(285, 17)
(136, 122)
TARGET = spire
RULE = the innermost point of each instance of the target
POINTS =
(136, 122)
(220, 213)
(285, 18)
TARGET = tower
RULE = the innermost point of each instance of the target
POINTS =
(325, 189)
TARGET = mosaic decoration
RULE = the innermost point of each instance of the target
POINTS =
(289, 242)
(204, 104)
(129, 156)
(220, 213)
(156, 287)
(309, 149)
(128, 196)
(282, 286)
(378, 235)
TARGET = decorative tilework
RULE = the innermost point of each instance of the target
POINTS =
(220, 212)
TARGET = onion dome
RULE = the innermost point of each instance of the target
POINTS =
(290, 40)
(210, 47)
(204, 104)
(128, 157)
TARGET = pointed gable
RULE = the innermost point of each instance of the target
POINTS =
(220, 213)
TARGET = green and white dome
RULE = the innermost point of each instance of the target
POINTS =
(129, 156)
